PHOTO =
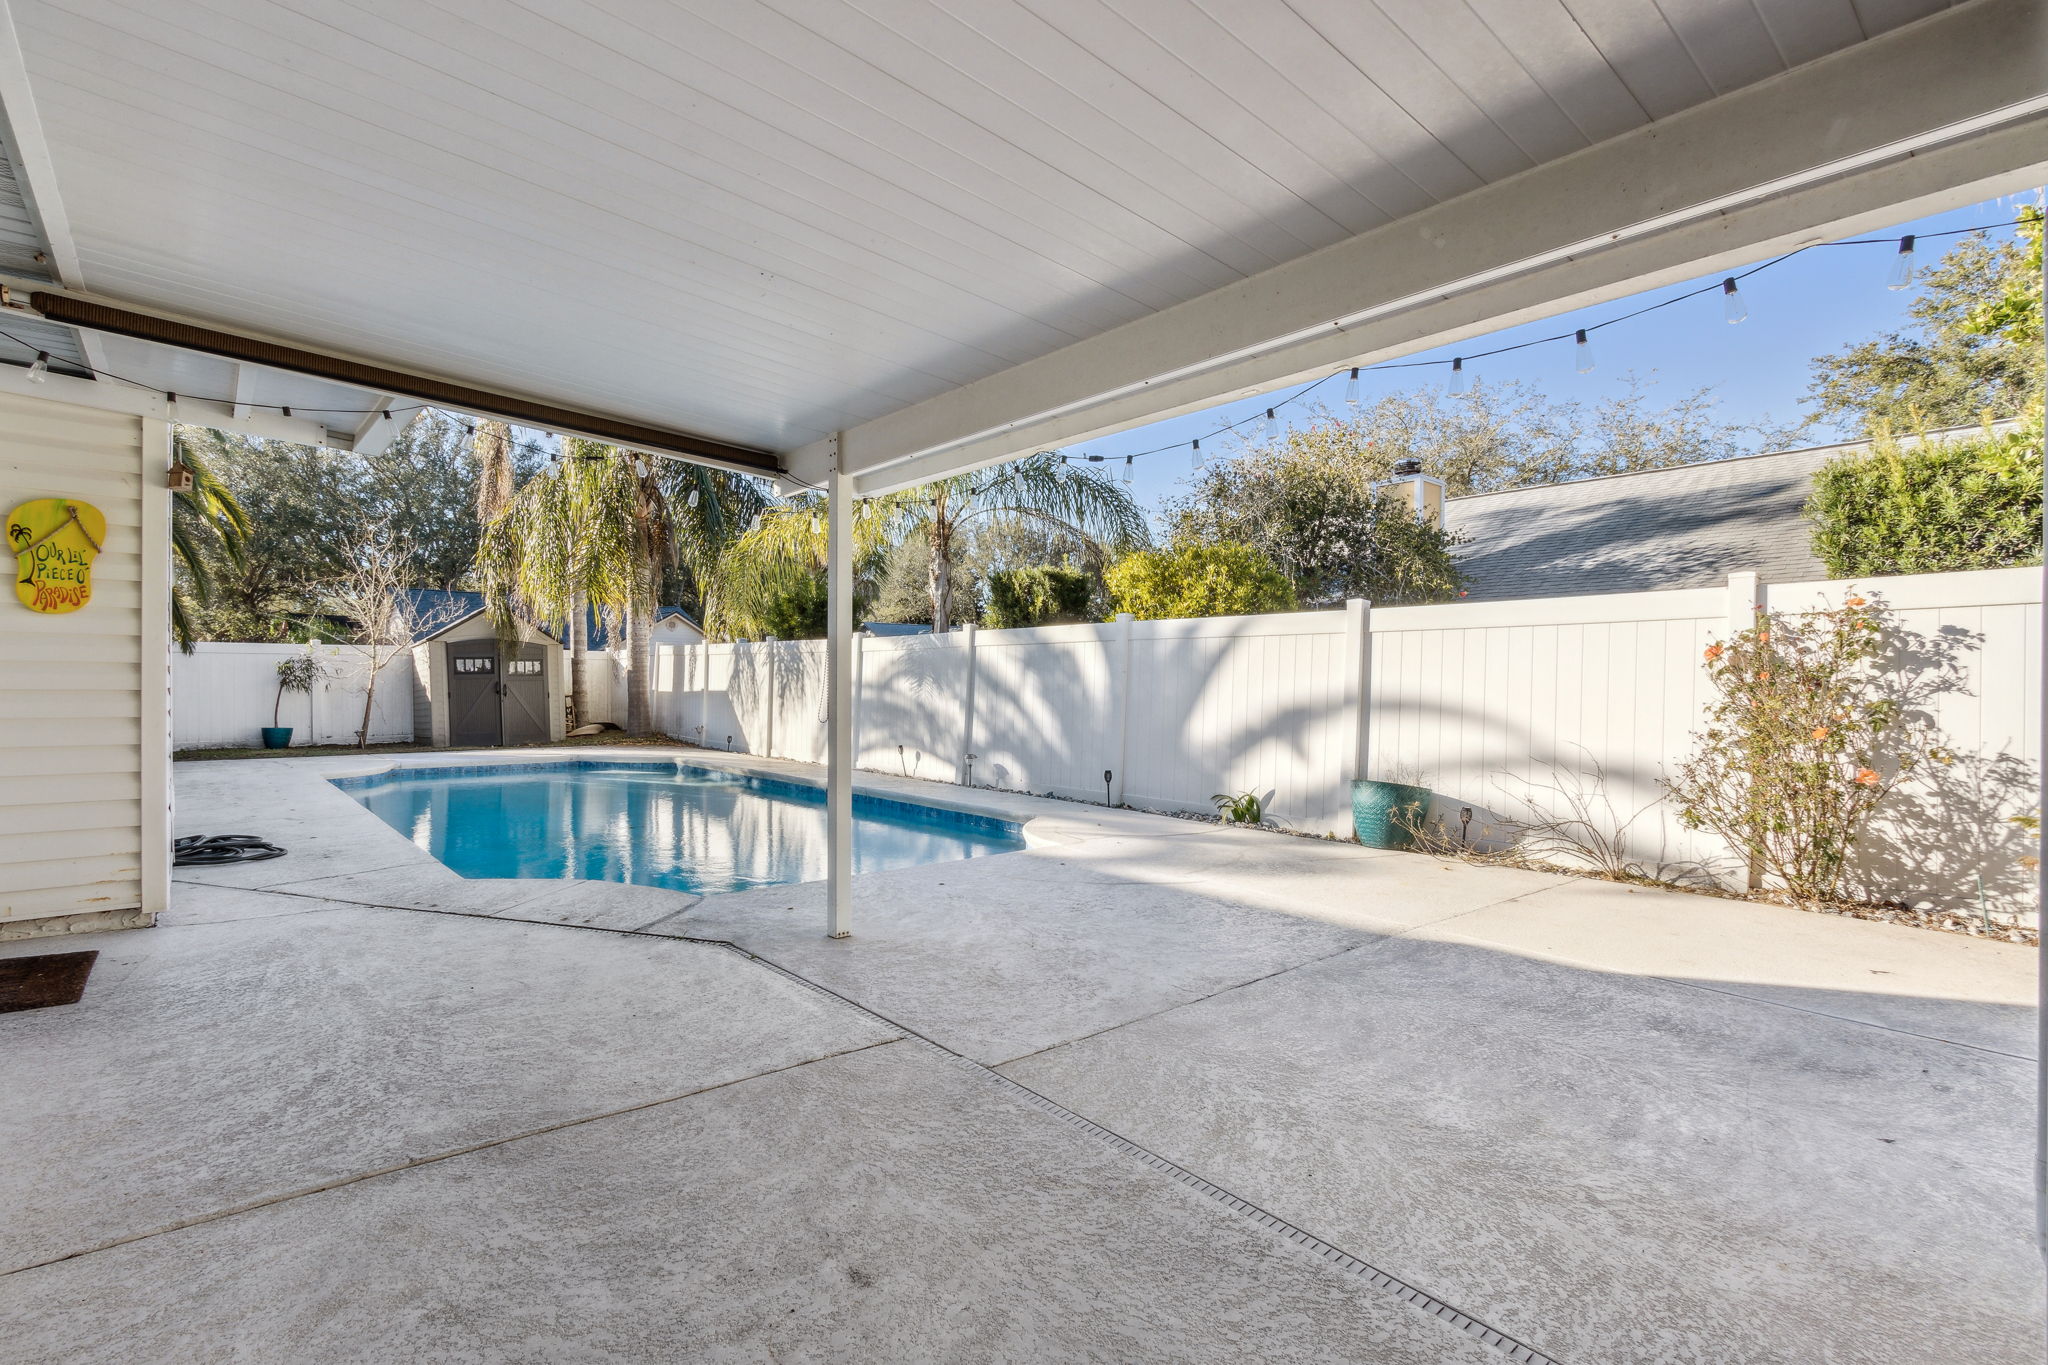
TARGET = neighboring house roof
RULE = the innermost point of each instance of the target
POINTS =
(897, 627)
(1689, 526)
(435, 610)
(598, 635)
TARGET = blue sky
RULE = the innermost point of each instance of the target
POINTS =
(1817, 302)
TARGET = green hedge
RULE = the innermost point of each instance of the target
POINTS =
(1044, 596)
(1190, 579)
(1930, 507)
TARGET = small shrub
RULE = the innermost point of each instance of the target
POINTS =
(1817, 721)
(1245, 808)
(1930, 507)
(1193, 579)
(1042, 596)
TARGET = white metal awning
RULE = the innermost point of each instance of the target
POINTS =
(953, 230)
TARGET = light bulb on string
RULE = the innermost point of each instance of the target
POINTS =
(1272, 425)
(40, 370)
(692, 499)
(1732, 306)
(1127, 471)
(1198, 452)
(1351, 388)
(1584, 349)
(1901, 273)
(1460, 382)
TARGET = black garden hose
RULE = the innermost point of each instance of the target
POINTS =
(209, 850)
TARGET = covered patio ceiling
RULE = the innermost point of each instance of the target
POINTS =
(950, 231)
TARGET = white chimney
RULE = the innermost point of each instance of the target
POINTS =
(1425, 495)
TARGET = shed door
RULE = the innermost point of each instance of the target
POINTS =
(473, 710)
(525, 695)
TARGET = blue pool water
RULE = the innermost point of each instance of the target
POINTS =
(668, 824)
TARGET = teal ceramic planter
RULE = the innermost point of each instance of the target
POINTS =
(277, 736)
(1387, 814)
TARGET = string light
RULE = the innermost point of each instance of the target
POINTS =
(1272, 426)
(691, 501)
(1127, 471)
(1732, 306)
(1901, 273)
(1735, 309)
(39, 371)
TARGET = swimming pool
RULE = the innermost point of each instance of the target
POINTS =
(671, 824)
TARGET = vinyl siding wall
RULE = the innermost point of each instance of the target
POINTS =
(84, 696)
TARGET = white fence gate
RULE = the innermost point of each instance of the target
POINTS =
(222, 695)
(1484, 703)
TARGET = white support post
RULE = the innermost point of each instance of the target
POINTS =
(1357, 696)
(839, 704)
(1120, 671)
(964, 769)
(2041, 908)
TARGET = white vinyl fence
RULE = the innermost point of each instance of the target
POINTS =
(222, 696)
(1499, 708)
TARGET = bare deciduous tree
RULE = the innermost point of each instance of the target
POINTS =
(383, 616)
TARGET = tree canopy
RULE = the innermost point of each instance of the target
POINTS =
(1972, 350)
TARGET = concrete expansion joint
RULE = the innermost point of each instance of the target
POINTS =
(1492, 1337)
(413, 1161)
(1372, 1275)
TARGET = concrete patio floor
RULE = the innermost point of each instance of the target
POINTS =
(1148, 1090)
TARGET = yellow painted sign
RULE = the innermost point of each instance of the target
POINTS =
(54, 541)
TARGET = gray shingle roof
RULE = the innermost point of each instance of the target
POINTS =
(1685, 527)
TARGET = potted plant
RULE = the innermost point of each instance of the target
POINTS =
(1388, 814)
(296, 674)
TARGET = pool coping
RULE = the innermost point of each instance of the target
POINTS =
(776, 786)
(342, 852)
(1039, 828)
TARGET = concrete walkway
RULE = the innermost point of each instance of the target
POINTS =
(1149, 1090)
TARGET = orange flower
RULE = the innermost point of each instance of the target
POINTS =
(1820, 732)
(1763, 637)
(1763, 675)
(1854, 602)
(1713, 653)
(1868, 777)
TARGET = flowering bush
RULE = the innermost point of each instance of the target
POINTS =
(1817, 721)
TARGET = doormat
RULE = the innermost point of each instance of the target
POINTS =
(34, 983)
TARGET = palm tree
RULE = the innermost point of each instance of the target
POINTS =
(601, 527)
(205, 518)
(1041, 488)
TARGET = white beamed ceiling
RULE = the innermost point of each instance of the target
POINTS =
(767, 221)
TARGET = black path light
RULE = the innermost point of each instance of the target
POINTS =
(1107, 777)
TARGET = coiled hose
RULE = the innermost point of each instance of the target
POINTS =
(210, 850)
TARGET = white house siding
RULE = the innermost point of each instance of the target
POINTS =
(84, 697)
